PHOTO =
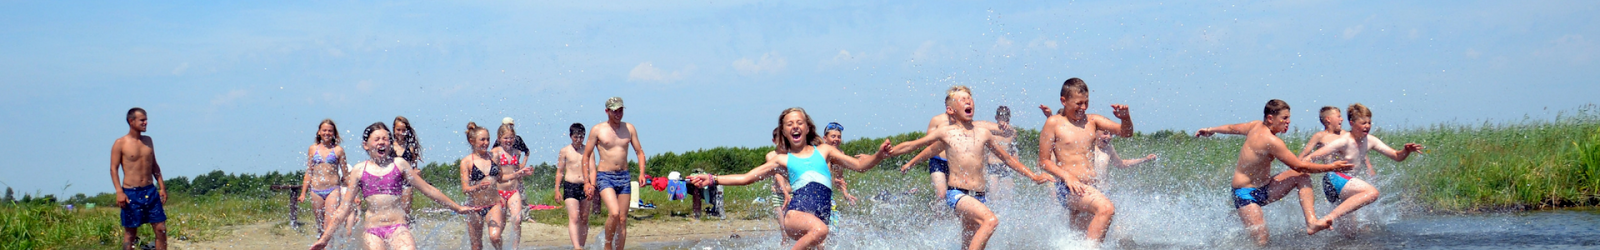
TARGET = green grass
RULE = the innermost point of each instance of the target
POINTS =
(197, 218)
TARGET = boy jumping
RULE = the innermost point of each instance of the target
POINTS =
(1252, 187)
(1343, 188)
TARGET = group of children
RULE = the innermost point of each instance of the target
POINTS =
(964, 157)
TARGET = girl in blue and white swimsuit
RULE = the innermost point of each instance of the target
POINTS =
(805, 165)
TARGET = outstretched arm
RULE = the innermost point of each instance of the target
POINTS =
(906, 147)
(427, 189)
(756, 174)
(1327, 149)
(861, 164)
(1121, 163)
(1405, 150)
(1014, 163)
(1287, 157)
(1232, 129)
(930, 152)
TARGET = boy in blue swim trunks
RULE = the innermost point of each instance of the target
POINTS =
(1252, 185)
(140, 191)
(1344, 188)
(966, 143)
(610, 178)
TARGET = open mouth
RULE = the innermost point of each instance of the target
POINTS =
(968, 111)
(795, 135)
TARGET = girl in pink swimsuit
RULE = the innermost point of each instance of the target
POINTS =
(380, 180)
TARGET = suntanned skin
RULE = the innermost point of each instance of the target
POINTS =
(1092, 211)
(1354, 146)
(1330, 132)
(481, 192)
(939, 179)
(382, 209)
(321, 176)
(1261, 147)
(1068, 138)
(966, 144)
(833, 138)
(806, 229)
(511, 180)
(134, 156)
(570, 168)
(612, 139)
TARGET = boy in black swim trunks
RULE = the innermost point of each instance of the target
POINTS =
(1253, 186)
(569, 186)
(140, 191)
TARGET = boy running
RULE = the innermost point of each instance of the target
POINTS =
(612, 139)
(1343, 188)
(1252, 187)
(1068, 138)
(1330, 131)
(569, 186)
(966, 144)
(141, 193)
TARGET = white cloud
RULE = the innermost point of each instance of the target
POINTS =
(366, 86)
(1353, 31)
(647, 71)
(1472, 53)
(229, 98)
(770, 62)
(1041, 43)
(923, 52)
(180, 69)
(1571, 47)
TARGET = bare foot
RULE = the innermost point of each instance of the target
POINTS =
(1318, 225)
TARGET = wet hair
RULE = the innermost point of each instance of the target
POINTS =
(955, 89)
(472, 131)
(134, 110)
(1273, 107)
(1074, 85)
(376, 126)
(336, 138)
(811, 137)
(1358, 111)
(410, 143)
(1002, 113)
(575, 129)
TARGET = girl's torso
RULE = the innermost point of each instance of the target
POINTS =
(324, 170)
(481, 170)
(507, 162)
(380, 186)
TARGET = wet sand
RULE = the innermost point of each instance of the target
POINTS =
(449, 234)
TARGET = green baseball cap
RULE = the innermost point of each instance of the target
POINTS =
(614, 103)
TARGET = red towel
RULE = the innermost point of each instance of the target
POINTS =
(659, 183)
(542, 207)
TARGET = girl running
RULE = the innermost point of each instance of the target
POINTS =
(508, 160)
(380, 180)
(478, 177)
(325, 169)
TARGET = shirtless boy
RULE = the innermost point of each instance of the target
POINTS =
(1068, 138)
(612, 139)
(141, 193)
(1252, 187)
(1330, 131)
(570, 174)
(1343, 188)
(966, 144)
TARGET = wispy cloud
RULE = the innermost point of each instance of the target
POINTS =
(178, 71)
(229, 98)
(769, 63)
(648, 72)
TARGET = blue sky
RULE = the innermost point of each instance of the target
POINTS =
(240, 86)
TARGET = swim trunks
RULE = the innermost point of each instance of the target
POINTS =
(1064, 195)
(144, 206)
(953, 196)
(938, 165)
(571, 190)
(1332, 183)
(1249, 195)
(617, 180)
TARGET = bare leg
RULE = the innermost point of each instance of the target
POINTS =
(475, 231)
(320, 208)
(1101, 209)
(977, 221)
(1290, 179)
(808, 231)
(621, 217)
(1356, 194)
(373, 242)
(497, 220)
(1254, 223)
(130, 237)
(939, 186)
(160, 229)
(616, 212)
(401, 239)
(514, 209)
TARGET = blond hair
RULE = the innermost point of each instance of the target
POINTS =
(1358, 111)
(955, 89)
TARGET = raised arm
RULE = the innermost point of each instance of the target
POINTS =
(1405, 150)
(1232, 129)
(756, 174)
(861, 164)
(1123, 129)
(1283, 154)
(638, 150)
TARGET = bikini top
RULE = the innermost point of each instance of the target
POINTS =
(330, 158)
(813, 169)
(389, 184)
(508, 161)
(477, 175)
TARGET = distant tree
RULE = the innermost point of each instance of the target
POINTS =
(26, 198)
(10, 198)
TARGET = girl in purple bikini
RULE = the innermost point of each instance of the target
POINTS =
(380, 181)
(325, 168)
